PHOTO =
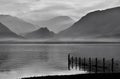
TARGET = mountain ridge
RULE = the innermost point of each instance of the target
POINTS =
(95, 24)
(42, 33)
(16, 24)
(55, 24)
(7, 33)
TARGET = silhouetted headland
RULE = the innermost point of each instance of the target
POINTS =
(83, 76)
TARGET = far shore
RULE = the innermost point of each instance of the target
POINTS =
(58, 42)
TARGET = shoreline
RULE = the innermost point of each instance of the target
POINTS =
(47, 42)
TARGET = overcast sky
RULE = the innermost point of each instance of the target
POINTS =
(41, 9)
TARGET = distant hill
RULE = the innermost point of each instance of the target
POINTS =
(56, 24)
(7, 33)
(42, 33)
(105, 23)
(16, 25)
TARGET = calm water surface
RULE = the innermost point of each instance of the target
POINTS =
(46, 59)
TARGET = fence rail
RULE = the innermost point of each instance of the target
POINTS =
(92, 64)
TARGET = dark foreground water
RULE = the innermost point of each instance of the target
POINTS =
(19, 60)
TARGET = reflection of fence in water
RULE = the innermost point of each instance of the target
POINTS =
(93, 64)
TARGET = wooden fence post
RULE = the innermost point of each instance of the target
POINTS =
(112, 66)
(84, 63)
(80, 62)
(76, 63)
(72, 62)
(90, 65)
(103, 64)
(96, 66)
(69, 61)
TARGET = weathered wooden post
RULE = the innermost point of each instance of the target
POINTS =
(96, 65)
(90, 65)
(76, 62)
(103, 64)
(84, 64)
(69, 61)
(72, 62)
(112, 66)
(80, 62)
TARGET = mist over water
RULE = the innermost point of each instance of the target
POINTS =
(20, 60)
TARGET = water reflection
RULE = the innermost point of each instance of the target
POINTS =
(48, 59)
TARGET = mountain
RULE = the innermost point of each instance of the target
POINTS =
(16, 25)
(56, 24)
(103, 23)
(42, 33)
(7, 33)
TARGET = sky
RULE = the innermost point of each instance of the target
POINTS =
(45, 9)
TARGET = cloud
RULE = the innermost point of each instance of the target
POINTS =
(14, 7)
(39, 9)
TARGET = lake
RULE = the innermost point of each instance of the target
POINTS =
(18, 60)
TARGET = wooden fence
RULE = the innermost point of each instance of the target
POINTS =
(91, 64)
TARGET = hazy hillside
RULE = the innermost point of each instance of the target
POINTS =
(7, 33)
(99, 23)
(41, 33)
(56, 24)
(16, 25)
